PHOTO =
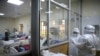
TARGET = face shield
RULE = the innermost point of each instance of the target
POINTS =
(89, 29)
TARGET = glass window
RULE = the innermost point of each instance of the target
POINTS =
(74, 22)
(57, 24)
(43, 24)
(15, 27)
(53, 26)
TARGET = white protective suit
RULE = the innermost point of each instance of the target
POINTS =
(90, 42)
(73, 49)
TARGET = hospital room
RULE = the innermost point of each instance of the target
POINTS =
(49, 28)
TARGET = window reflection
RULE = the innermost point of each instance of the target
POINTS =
(43, 24)
(43, 28)
(15, 18)
(56, 38)
(57, 25)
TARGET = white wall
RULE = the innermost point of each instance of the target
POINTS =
(91, 13)
(91, 7)
(57, 15)
(26, 21)
(6, 23)
(11, 23)
(75, 6)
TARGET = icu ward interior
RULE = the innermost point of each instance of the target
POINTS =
(49, 28)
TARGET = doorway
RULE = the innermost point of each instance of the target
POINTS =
(21, 27)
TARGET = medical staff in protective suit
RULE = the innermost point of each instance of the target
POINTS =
(54, 37)
(90, 42)
(73, 42)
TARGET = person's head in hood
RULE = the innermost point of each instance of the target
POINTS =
(76, 32)
(54, 31)
(89, 29)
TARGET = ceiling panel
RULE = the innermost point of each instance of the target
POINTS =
(14, 11)
(11, 10)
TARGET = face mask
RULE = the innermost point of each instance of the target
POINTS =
(75, 35)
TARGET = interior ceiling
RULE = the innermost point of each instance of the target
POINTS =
(14, 11)
(44, 5)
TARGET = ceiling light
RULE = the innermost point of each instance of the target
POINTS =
(53, 22)
(16, 2)
(57, 7)
(41, 8)
(2, 14)
(64, 5)
(42, 23)
(63, 21)
(49, 12)
(52, 0)
(30, 4)
(43, 0)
